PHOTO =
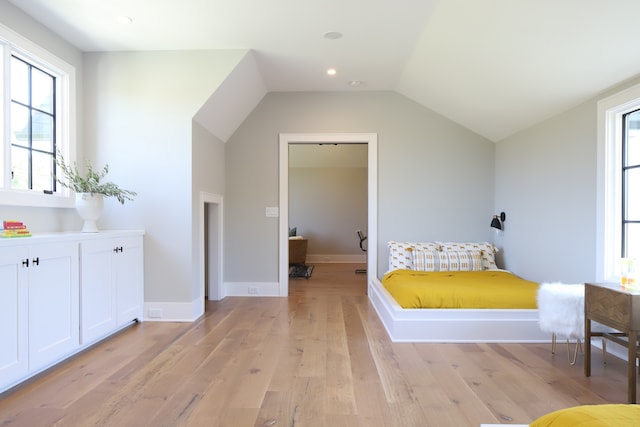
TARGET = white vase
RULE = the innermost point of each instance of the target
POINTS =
(89, 207)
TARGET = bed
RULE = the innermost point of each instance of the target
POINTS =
(477, 323)
(614, 415)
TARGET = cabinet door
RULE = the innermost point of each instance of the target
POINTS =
(98, 296)
(128, 272)
(14, 361)
(53, 302)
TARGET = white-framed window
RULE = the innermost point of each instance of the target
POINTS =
(37, 94)
(631, 184)
(618, 182)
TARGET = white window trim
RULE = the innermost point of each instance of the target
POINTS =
(609, 167)
(66, 137)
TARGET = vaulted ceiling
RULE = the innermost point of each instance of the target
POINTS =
(493, 66)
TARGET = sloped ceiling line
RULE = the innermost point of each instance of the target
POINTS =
(493, 66)
(233, 100)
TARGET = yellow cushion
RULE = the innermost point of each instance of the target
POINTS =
(460, 289)
(615, 415)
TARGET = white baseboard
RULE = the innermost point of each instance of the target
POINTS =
(190, 311)
(336, 259)
(173, 311)
(251, 289)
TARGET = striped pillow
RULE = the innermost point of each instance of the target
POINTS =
(425, 260)
(487, 249)
(400, 257)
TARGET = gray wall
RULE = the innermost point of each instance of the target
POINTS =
(435, 177)
(140, 107)
(546, 183)
(208, 175)
(328, 205)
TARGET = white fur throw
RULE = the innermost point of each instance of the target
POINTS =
(561, 309)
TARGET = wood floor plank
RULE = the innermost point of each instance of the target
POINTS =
(371, 403)
(340, 394)
(290, 360)
(320, 357)
(236, 417)
(373, 410)
(275, 409)
(341, 420)
(308, 407)
(525, 397)
(254, 381)
(474, 373)
(453, 400)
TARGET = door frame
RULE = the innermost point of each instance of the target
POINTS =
(371, 139)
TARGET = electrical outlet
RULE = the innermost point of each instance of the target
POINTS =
(155, 313)
(252, 290)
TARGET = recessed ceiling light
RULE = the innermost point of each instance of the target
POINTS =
(332, 35)
(124, 20)
(331, 72)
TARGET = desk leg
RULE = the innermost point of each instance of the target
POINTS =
(631, 367)
(587, 347)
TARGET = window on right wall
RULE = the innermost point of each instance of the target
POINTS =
(618, 195)
(630, 244)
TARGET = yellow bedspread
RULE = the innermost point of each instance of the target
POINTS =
(606, 415)
(460, 289)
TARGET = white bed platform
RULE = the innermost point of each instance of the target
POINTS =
(454, 325)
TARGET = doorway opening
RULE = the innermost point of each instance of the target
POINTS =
(211, 277)
(371, 139)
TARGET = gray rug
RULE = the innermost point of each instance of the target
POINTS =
(300, 271)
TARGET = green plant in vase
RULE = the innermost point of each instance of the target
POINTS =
(70, 177)
(90, 191)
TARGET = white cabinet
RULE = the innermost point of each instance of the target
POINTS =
(129, 281)
(39, 306)
(14, 358)
(61, 292)
(111, 285)
(53, 302)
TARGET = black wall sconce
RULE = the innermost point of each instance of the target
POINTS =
(497, 221)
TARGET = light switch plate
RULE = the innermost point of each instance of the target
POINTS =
(272, 212)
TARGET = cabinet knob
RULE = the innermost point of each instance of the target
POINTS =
(36, 261)
(25, 262)
(117, 249)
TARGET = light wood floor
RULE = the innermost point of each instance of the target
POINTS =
(318, 358)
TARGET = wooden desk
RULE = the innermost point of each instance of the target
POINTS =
(619, 308)
(297, 251)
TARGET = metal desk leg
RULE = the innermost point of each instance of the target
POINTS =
(587, 347)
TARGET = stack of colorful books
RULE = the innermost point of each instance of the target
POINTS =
(12, 228)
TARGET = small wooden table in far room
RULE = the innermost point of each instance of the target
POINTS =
(617, 307)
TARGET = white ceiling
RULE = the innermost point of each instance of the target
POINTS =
(494, 66)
